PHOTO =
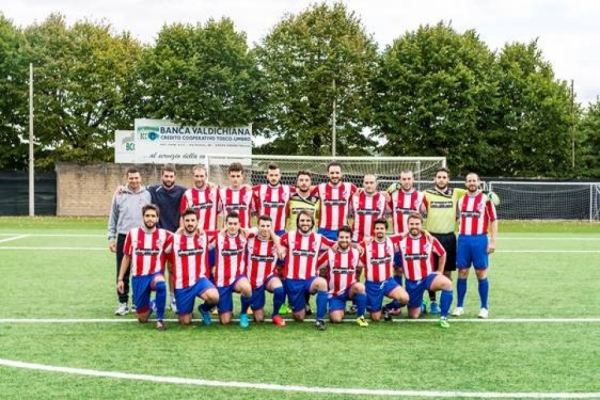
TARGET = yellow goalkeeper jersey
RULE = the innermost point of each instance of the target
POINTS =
(441, 209)
(298, 203)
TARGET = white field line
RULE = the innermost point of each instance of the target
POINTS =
(291, 388)
(307, 320)
(54, 235)
(12, 238)
(547, 251)
(549, 238)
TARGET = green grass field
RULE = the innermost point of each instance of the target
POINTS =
(61, 268)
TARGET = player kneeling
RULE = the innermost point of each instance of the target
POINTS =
(341, 265)
(417, 254)
(145, 250)
(262, 262)
(188, 256)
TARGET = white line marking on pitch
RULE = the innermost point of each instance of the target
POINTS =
(290, 388)
(549, 238)
(54, 235)
(55, 248)
(12, 238)
(309, 320)
(547, 251)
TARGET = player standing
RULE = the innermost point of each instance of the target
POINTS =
(341, 266)
(188, 254)
(477, 215)
(417, 260)
(237, 197)
(367, 206)
(144, 251)
(335, 201)
(272, 199)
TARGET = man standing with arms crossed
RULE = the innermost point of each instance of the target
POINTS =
(477, 215)
(126, 214)
(144, 251)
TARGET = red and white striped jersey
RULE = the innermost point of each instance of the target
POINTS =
(403, 204)
(147, 250)
(335, 202)
(273, 201)
(417, 256)
(230, 262)
(378, 258)
(261, 260)
(476, 213)
(366, 209)
(205, 202)
(189, 257)
(303, 253)
(341, 269)
(238, 200)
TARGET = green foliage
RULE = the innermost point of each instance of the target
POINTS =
(82, 85)
(201, 75)
(588, 160)
(436, 90)
(13, 98)
(535, 116)
(309, 61)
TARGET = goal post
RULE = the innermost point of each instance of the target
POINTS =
(387, 169)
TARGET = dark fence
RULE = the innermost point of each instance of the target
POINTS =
(14, 193)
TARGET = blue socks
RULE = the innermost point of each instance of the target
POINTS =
(461, 291)
(445, 303)
(278, 299)
(484, 288)
(161, 299)
(321, 303)
(245, 303)
(360, 299)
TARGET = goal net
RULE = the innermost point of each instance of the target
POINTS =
(547, 200)
(387, 169)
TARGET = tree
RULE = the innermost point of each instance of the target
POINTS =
(202, 75)
(436, 93)
(588, 160)
(536, 115)
(13, 101)
(309, 61)
(82, 88)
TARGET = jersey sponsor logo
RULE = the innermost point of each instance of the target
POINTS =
(403, 211)
(381, 260)
(202, 206)
(147, 252)
(441, 204)
(236, 207)
(304, 253)
(366, 211)
(470, 214)
(335, 202)
(342, 271)
(274, 204)
(415, 257)
(231, 252)
(259, 258)
(189, 252)
(296, 210)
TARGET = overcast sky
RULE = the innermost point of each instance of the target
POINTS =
(568, 31)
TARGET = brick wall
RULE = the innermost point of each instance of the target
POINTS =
(87, 189)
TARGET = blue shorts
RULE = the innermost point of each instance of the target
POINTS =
(226, 296)
(416, 289)
(258, 295)
(328, 233)
(472, 249)
(295, 290)
(185, 297)
(376, 291)
(337, 303)
(212, 257)
(142, 286)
